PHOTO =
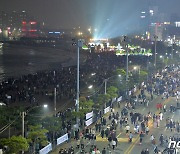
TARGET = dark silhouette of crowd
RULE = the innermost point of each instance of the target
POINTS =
(32, 87)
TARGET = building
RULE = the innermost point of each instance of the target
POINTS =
(16, 24)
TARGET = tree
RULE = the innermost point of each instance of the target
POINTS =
(37, 135)
(86, 104)
(9, 114)
(121, 72)
(112, 91)
(52, 124)
(84, 107)
(15, 144)
(102, 99)
(142, 76)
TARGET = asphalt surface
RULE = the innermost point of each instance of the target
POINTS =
(124, 147)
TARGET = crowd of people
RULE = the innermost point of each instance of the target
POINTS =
(132, 122)
(31, 88)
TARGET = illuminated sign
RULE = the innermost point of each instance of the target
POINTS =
(177, 23)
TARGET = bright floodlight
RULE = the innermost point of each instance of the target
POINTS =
(90, 86)
(161, 56)
(93, 74)
(119, 75)
(45, 105)
(135, 67)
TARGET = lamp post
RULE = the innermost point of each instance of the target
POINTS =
(162, 57)
(172, 54)
(127, 65)
(155, 50)
(105, 83)
(54, 101)
(25, 113)
(79, 45)
(23, 117)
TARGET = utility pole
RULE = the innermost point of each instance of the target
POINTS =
(23, 115)
(155, 47)
(127, 65)
(23, 135)
(147, 67)
(105, 86)
(155, 51)
(54, 101)
(79, 45)
(172, 56)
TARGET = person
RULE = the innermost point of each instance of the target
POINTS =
(127, 129)
(141, 138)
(78, 144)
(156, 149)
(102, 133)
(152, 138)
(104, 151)
(147, 130)
(147, 151)
(113, 144)
(164, 108)
(82, 143)
(161, 139)
(116, 140)
(143, 152)
(97, 151)
(130, 137)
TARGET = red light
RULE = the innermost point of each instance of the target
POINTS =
(24, 22)
(32, 22)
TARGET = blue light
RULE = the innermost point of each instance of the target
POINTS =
(57, 32)
(50, 32)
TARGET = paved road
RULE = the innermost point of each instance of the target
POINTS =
(134, 148)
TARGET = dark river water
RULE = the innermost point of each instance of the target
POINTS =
(18, 60)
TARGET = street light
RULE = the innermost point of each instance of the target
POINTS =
(25, 113)
(135, 68)
(79, 45)
(105, 82)
(90, 87)
(127, 64)
(155, 48)
(45, 105)
(161, 57)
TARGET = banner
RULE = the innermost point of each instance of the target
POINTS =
(46, 149)
(89, 122)
(62, 139)
(113, 100)
(119, 99)
(89, 115)
(106, 109)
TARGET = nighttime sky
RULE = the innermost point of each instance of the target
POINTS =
(85, 13)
